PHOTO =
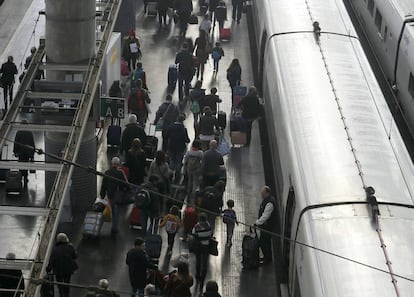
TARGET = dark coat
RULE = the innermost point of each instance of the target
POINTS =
(183, 6)
(8, 70)
(207, 125)
(26, 138)
(138, 262)
(62, 261)
(162, 5)
(177, 137)
(136, 164)
(185, 61)
(251, 107)
(170, 116)
(212, 160)
(234, 75)
(211, 294)
(212, 4)
(131, 132)
(178, 287)
(210, 101)
(110, 186)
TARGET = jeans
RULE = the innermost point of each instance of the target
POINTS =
(63, 290)
(265, 243)
(202, 263)
(230, 230)
(184, 83)
(7, 90)
(216, 64)
(140, 292)
(162, 15)
(176, 162)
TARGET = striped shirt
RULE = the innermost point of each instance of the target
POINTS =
(202, 231)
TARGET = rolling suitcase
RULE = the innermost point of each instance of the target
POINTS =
(153, 241)
(135, 218)
(113, 135)
(250, 250)
(238, 93)
(193, 20)
(92, 224)
(152, 8)
(238, 138)
(225, 34)
(172, 77)
(14, 182)
(151, 145)
(222, 119)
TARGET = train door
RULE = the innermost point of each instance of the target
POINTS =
(261, 62)
(287, 232)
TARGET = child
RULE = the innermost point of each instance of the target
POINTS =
(217, 53)
(230, 219)
(171, 222)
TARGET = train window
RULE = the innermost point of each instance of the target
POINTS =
(411, 85)
(385, 33)
(371, 5)
(290, 211)
(378, 20)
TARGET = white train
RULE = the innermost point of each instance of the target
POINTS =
(389, 27)
(332, 137)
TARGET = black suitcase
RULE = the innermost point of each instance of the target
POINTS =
(150, 148)
(113, 136)
(14, 181)
(222, 119)
(172, 77)
(250, 250)
(153, 242)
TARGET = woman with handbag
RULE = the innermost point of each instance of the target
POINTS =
(202, 233)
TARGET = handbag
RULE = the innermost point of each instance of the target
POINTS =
(193, 20)
(160, 124)
(107, 213)
(194, 245)
(212, 247)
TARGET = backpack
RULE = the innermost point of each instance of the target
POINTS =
(229, 216)
(171, 225)
(193, 164)
(216, 55)
(137, 74)
(142, 199)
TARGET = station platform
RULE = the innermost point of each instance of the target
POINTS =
(105, 257)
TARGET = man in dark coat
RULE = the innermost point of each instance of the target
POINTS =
(7, 71)
(266, 221)
(24, 148)
(184, 9)
(185, 61)
(252, 109)
(237, 10)
(132, 130)
(62, 263)
(168, 112)
(212, 162)
(138, 262)
(178, 139)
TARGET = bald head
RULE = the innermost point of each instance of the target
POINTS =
(213, 144)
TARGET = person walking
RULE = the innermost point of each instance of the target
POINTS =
(201, 52)
(139, 73)
(114, 189)
(171, 222)
(62, 263)
(40, 72)
(221, 14)
(202, 233)
(115, 90)
(184, 8)
(138, 100)
(252, 109)
(192, 166)
(7, 71)
(211, 289)
(207, 127)
(167, 114)
(212, 5)
(212, 202)
(160, 169)
(212, 162)
(230, 219)
(179, 283)
(237, 10)
(23, 149)
(205, 25)
(138, 262)
(211, 100)
(162, 7)
(132, 130)
(234, 74)
(131, 49)
(178, 139)
(185, 61)
(217, 53)
(266, 221)
(196, 96)
(136, 162)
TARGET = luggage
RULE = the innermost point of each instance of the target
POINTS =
(135, 218)
(222, 119)
(238, 138)
(172, 77)
(238, 93)
(250, 250)
(92, 224)
(113, 136)
(47, 289)
(237, 122)
(193, 20)
(14, 182)
(150, 148)
(153, 242)
(190, 219)
(142, 199)
(225, 34)
(152, 8)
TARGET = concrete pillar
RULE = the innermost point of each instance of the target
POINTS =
(70, 39)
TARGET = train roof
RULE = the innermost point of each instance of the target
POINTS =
(328, 98)
(404, 7)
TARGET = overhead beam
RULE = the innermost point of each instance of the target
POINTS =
(48, 95)
(42, 166)
(23, 211)
(64, 67)
(41, 127)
